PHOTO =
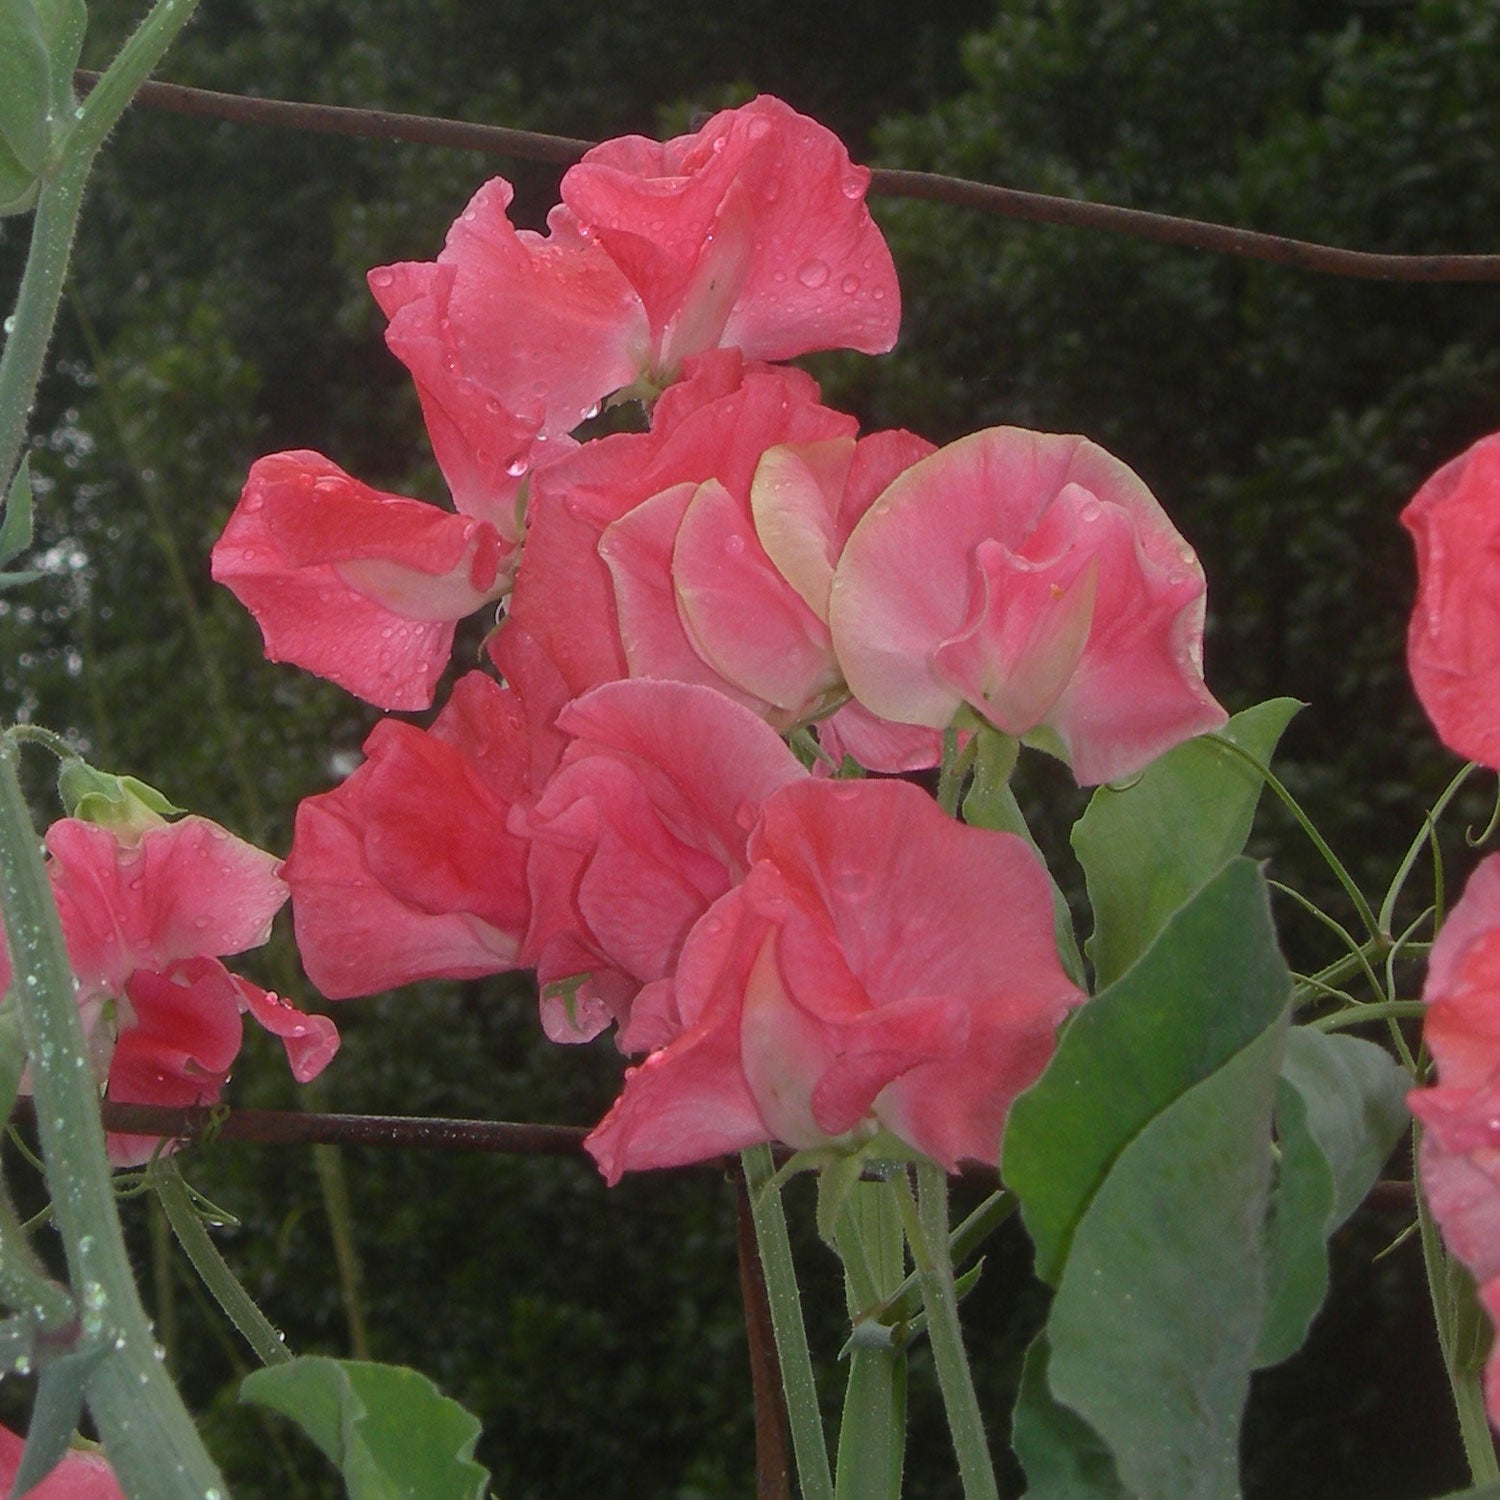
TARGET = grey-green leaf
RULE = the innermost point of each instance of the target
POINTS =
(1146, 847)
(1211, 982)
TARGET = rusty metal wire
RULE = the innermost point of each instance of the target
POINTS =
(1041, 208)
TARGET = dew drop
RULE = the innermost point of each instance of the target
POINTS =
(9, 325)
(734, 544)
(381, 278)
(812, 273)
(851, 187)
(849, 285)
(772, 189)
(517, 467)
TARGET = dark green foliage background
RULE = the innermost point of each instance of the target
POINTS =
(218, 311)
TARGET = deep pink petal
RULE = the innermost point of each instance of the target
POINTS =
(187, 889)
(690, 1101)
(1453, 644)
(80, 1475)
(311, 1040)
(183, 1037)
(762, 202)
(547, 327)
(389, 886)
(360, 587)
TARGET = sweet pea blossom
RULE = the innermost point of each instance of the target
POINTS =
(1459, 1158)
(600, 587)
(1453, 642)
(407, 870)
(641, 828)
(358, 586)
(1034, 579)
(752, 233)
(146, 916)
(880, 967)
(81, 1474)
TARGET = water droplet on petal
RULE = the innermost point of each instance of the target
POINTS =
(812, 273)
(851, 187)
(734, 545)
(517, 467)
(849, 285)
(381, 278)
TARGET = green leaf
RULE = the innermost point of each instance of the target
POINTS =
(389, 1430)
(1154, 1326)
(1340, 1109)
(1145, 848)
(15, 523)
(1211, 982)
(55, 1413)
(63, 24)
(1064, 1458)
(25, 84)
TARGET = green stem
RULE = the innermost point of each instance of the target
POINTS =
(803, 1413)
(927, 1232)
(1468, 1392)
(872, 1430)
(57, 222)
(23, 1283)
(270, 1348)
(150, 1438)
(1377, 1010)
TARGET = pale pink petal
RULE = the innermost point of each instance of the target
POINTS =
(740, 615)
(878, 744)
(361, 587)
(1036, 579)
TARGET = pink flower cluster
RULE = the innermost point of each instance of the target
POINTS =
(147, 914)
(796, 957)
(1453, 650)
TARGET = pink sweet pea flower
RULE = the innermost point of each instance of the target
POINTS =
(146, 917)
(640, 830)
(881, 967)
(1035, 579)
(1453, 645)
(751, 233)
(407, 870)
(597, 590)
(81, 1474)
(358, 586)
(1460, 1152)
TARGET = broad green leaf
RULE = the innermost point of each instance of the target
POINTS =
(1146, 847)
(389, 1430)
(1340, 1109)
(1064, 1458)
(1211, 982)
(1355, 1093)
(1154, 1325)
